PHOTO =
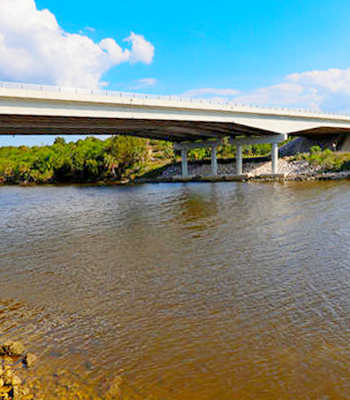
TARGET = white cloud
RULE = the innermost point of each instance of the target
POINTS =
(285, 94)
(141, 50)
(327, 90)
(334, 80)
(34, 48)
(144, 83)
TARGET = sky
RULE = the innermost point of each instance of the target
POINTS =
(288, 53)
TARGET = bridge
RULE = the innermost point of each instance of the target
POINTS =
(27, 109)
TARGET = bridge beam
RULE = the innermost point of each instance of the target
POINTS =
(197, 145)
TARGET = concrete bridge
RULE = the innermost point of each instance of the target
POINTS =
(190, 123)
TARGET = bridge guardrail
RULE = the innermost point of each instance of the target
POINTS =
(172, 98)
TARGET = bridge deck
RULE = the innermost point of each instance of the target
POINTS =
(176, 131)
(34, 109)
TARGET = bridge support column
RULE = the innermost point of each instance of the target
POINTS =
(184, 163)
(273, 139)
(274, 158)
(185, 146)
(239, 162)
(214, 161)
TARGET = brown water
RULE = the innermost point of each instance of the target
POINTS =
(189, 291)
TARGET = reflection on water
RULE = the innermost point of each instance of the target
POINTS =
(189, 291)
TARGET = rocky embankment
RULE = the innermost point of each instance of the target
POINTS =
(22, 377)
(288, 169)
(14, 361)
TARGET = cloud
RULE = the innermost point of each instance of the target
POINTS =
(285, 94)
(325, 90)
(141, 50)
(333, 80)
(144, 83)
(34, 48)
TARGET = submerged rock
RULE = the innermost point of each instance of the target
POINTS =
(114, 391)
(16, 380)
(12, 361)
(12, 349)
(29, 360)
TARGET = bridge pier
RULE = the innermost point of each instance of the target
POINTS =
(184, 147)
(274, 158)
(239, 162)
(273, 139)
(239, 143)
(214, 161)
(184, 163)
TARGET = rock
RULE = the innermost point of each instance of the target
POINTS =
(12, 349)
(16, 380)
(7, 377)
(29, 360)
(27, 397)
(7, 362)
(4, 390)
(114, 391)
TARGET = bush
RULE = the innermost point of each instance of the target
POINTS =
(86, 160)
(326, 159)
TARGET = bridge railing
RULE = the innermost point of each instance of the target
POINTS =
(101, 92)
(172, 98)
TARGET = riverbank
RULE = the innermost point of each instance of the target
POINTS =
(259, 169)
(316, 165)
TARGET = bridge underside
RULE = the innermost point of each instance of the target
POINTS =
(321, 131)
(172, 130)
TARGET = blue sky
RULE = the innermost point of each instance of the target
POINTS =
(231, 44)
(272, 52)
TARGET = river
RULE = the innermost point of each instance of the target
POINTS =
(188, 291)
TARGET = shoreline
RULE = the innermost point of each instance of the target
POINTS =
(244, 178)
(332, 176)
(255, 170)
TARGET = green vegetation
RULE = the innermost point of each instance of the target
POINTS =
(229, 151)
(326, 159)
(87, 160)
(91, 160)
